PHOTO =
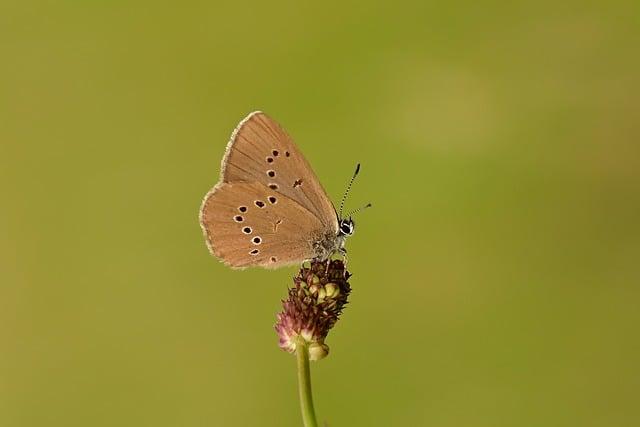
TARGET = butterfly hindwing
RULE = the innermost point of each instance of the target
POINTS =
(248, 224)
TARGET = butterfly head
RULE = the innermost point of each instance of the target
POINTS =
(346, 227)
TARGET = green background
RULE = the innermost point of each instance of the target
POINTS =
(496, 279)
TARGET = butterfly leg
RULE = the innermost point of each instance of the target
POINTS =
(343, 252)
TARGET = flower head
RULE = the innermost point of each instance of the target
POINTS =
(313, 306)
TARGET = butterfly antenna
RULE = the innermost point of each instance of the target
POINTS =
(346, 193)
(355, 211)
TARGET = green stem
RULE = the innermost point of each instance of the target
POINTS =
(304, 384)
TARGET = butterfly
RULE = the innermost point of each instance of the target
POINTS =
(268, 208)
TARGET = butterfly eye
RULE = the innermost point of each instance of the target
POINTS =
(273, 259)
(271, 173)
(259, 203)
(238, 218)
(273, 186)
(346, 227)
(269, 159)
(242, 209)
(286, 153)
(254, 252)
(275, 153)
(272, 200)
(256, 240)
(246, 230)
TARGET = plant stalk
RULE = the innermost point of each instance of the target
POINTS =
(304, 384)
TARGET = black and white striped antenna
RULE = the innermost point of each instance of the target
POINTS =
(346, 192)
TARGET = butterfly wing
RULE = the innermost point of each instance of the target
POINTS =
(261, 151)
(248, 224)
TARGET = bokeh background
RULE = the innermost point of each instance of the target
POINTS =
(495, 279)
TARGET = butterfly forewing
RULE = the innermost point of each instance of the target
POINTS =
(248, 224)
(261, 151)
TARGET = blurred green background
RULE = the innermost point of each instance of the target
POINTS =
(495, 281)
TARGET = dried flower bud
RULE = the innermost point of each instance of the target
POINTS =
(318, 351)
(332, 290)
(313, 306)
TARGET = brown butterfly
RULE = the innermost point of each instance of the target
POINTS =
(268, 208)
